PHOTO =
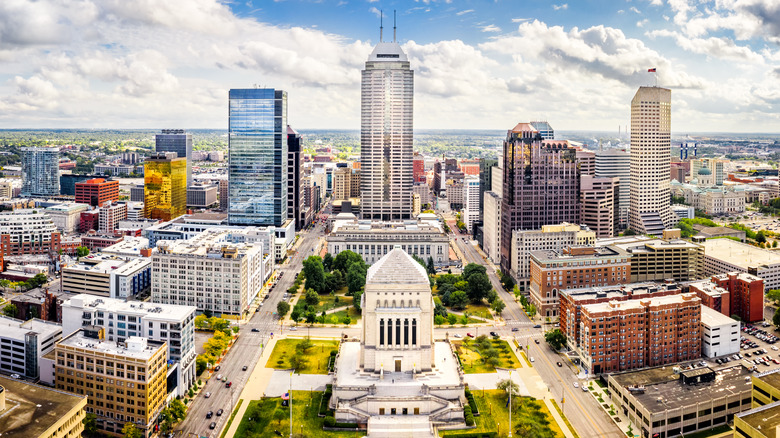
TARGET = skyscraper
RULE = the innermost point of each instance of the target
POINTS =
(40, 172)
(295, 205)
(386, 119)
(651, 149)
(257, 156)
(165, 186)
(616, 163)
(179, 141)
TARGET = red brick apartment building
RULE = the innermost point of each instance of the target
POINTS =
(96, 191)
(24, 232)
(574, 267)
(572, 301)
(621, 336)
(734, 293)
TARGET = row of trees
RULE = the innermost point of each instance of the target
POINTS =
(473, 286)
(329, 274)
(214, 348)
(37, 281)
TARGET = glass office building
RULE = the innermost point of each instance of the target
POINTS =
(40, 172)
(165, 186)
(179, 141)
(257, 153)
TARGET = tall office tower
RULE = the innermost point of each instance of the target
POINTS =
(541, 184)
(295, 202)
(545, 130)
(651, 156)
(599, 204)
(616, 163)
(485, 179)
(165, 186)
(40, 172)
(257, 156)
(223, 195)
(179, 141)
(386, 119)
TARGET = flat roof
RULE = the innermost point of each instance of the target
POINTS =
(32, 409)
(16, 328)
(134, 347)
(663, 383)
(766, 418)
(173, 312)
(739, 254)
(655, 245)
(600, 252)
(108, 263)
(636, 290)
(713, 318)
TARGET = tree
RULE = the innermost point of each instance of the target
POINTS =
(356, 277)
(346, 320)
(507, 281)
(310, 318)
(509, 386)
(356, 300)
(32, 312)
(431, 267)
(338, 279)
(304, 346)
(279, 415)
(202, 322)
(479, 286)
(530, 310)
(201, 363)
(282, 308)
(82, 251)
(10, 310)
(312, 298)
(296, 315)
(298, 362)
(556, 338)
(439, 320)
(776, 318)
(498, 306)
(345, 259)
(90, 424)
(452, 319)
(331, 282)
(459, 299)
(314, 273)
(130, 431)
(438, 309)
(491, 296)
(177, 410)
(327, 262)
(773, 295)
(219, 324)
(760, 237)
(473, 268)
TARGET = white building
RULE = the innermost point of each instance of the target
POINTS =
(684, 211)
(719, 334)
(108, 276)
(131, 246)
(135, 210)
(23, 343)
(712, 200)
(471, 211)
(209, 272)
(491, 239)
(725, 255)
(423, 237)
(122, 319)
(66, 217)
(109, 216)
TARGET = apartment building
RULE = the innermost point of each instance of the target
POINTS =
(549, 237)
(574, 267)
(124, 382)
(24, 232)
(23, 343)
(734, 293)
(209, 272)
(172, 324)
(726, 255)
(108, 275)
(719, 334)
(109, 216)
(662, 259)
(624, 335)
(34, 411)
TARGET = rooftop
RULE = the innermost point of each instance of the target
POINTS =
(349, 224)
(32, 409)
(633, 289)
(740, 254)
(16, 328)
(766, 418)
(108, 264)
(646, 245)
(397, 267)
(131, 245)
(713, 318)
(388, 51)
(134, 348)
(212, 243)
(640, 303)
(601, 252)
(68, 207)
(89, 302)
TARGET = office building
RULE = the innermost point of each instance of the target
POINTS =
(24, 232)
(108, 276)
(442, 171)
(66, 216)
(23, 343)
(200, 195)
(346, 182)
(165, 186)
(122, 320)
(491, 226)
(587, 162)
(541, 185)
(296, 208)
(6, 189)
(651, 121)
(549, 237)
(40, 172)
(424, 238)
(719, 333)
(257, 155)
(97, 191)
(89, 221)
(226, 276)
(223, 195)
(616, 163)
(544, 129)
(661, 259)
(418, 168)
(34, 411)
(574, 267)
(386, 122)
(114, 170)
(179, 141)
(486, 166)
(109, 216)
(707, 171)
(471, 211)
(760, 422)
(726, 255)
(137, 193)
(625, 335)
(131, 378)
(599, 204)
(68, 182)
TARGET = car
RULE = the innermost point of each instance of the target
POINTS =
(209, 414)
(228, 384)
(207, 395)
(16, 376)
(254, 330)
(747, 354)
(494, 334)
(515, 329)
(576, 385)
(224, 379)
(559, 364)
(213, 425)
(216, 368)
(536, 341)
(219, 376)
(292, 329)
(538, 326)
(469, 335)
(531, 359)
(244, 368)
(457, 335)
(219, 412)
(584, 388)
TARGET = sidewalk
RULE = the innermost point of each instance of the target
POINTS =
(558, 419)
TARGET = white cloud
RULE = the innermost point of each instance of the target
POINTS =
(464, 12)
(520, 20)
(635, 10)
(716, 47)
(375, 11)
(491, 28)
(561, 6)
(641, 23)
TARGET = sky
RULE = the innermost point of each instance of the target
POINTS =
(478, 64)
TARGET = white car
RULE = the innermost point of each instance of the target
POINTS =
(458, 335)
(774, 347)
(576, 385)
(16, 376)
(531, 359)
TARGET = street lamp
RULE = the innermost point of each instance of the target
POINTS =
(510, 404)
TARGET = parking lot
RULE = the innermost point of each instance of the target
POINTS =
(757, 347)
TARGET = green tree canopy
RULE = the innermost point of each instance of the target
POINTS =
(773, 295)
(776, 318)
(498, 306)
(345, 259)
(473, 268)
(479, 286)
(327, 262)
(356, 277)
(430, 267)
(459, 299)
(312, 298)
(556, 338)
(282, 308)
(130, 431)
(82, 251)
(314, 273)
(10, 310)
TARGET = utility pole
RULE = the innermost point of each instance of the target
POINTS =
(291, 399)
(510, 403)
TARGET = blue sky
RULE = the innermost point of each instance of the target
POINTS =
(480, 64)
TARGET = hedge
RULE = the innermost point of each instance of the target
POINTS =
(330, 421)
(468, 416)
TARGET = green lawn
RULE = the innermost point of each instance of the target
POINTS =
(354, 316)
(259, 420)
(471, 359)
(328, 302)
(527, 412)
(317, 356)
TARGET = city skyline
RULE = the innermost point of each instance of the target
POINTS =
(470, 59)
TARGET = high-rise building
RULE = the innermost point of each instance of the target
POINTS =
(295, 202)
(179, 141)
(418, 168)
(545, 130)
(471, 211)
(386, 113)
(541, 184)
(616, 163)
(96, 191)
(599, 203)
(109, 216)
(486, 166)
(223, 195)
(165, 186)
(651, 155)
(41, 172)
(257, 154)
(587, 161)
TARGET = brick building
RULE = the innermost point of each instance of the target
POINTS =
(620, 336)
(24, 232)
(96, 191)
(89, 220)
(95, 241)
(418, 168)
(574, 267)
(734, 293)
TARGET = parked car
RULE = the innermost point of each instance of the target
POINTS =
(576, 385)
(219, 412)
(536, 341)
(457, 335)
(216, 368)
(531, 359)
(16, 376)
(469, 335)
(209, 414)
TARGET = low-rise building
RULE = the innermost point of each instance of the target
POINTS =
(95, 242)
(137, 193)
(719, 334)
(32, 411)
(202, 195)
(424, 238)
(129, 247)
(125, 382)
(726, 255)
(109, 216)
(97, 191)
(760, 422)
(108, 275)
(661, 259)
(23, 343)
(66, 216)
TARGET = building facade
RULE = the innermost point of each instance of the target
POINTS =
(663, 259)
(109, 215)
(39, 412)
(471, 212)
(296, 208)
(165, 186)
(726, 255)
(108, 276)
(600, 204)
(201, 195)
(719, 333)
(66, 217)
(23, 343)
(179, 141)
(97, 191)
(40, 172)
(24, 232)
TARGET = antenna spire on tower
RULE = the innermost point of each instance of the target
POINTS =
(381, 14)
(393, 25)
